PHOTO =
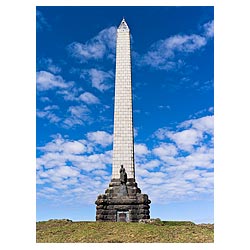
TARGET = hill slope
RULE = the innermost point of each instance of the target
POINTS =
(120, 232)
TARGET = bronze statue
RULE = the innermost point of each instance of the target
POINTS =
(123, 175)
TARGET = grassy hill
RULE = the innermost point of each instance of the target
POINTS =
(120, 232)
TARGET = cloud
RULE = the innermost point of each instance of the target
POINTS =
(67, 167)
(48, 113)
(100, 137)
(168, 54)
(98, 47)
(48, 64)
(211, 109)
(209, 29)
(202, 157)
(41, 22)
(204, 124)
(70, 94)
(89, 98)
(135, 132)
(99, 79)
(168, 169)
(193, 132)
(77, 115)
(65, 146)
(74, 115)
(141, 149)
(202, 113)
(163, 53)
(78, 111)
(186, 139)
(46, 80)
(151, 164)
(45, 99)
(182, 43)
(51, 107)
(162, 107)
(165, 150)
(74, 147)
(180, 164)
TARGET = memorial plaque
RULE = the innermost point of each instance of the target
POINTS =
(123, 216)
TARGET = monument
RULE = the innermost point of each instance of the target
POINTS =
(123, 200)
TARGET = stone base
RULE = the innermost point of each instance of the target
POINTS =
(122, 203)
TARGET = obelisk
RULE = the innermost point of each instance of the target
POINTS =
(123, 200)
(123, 144)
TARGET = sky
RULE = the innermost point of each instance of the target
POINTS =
(173, 108)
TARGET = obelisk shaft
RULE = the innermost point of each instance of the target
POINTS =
(123, 143)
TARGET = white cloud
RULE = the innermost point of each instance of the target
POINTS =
(186, 139)
(209, 29)
(204, 124)
(163, 53)
(69, 94)
(45, 99)
(98, 47)
(41, 22)
(74, 147)
(202, 157)
(141, 149)
(182, 43)
(52, 118)
(181, 167)
(64, 172)
(77, 116)
(165, 150)
(68, 186)
(164, 107)
(192, 133)
(67, 167)
(93, 161)
(211, 109)
(89, 98)
(167, 54)
(135, 132)
(46, 80)
(62, 147)
(152, 164)
(48, 113)
(51, 107)
(55, 145)
(100, 172)
(175, 184)
(94, 51)
(201, 113)
(99, 79)
(49, 65)
(100, 137)
(78, 111)
(164, 172)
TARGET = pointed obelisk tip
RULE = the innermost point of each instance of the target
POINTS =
(123, 24)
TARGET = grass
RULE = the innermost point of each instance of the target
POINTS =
(63, 231)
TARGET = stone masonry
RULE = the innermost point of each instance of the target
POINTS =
(123, 200)
(123, 144)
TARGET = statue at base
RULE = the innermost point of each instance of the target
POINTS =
(123, 175)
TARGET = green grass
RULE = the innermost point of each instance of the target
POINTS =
(55, 231)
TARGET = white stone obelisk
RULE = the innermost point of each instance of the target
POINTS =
(123, 142)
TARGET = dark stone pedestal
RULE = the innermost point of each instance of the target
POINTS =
(122, 202)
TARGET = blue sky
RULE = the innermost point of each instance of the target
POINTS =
(173, 101)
